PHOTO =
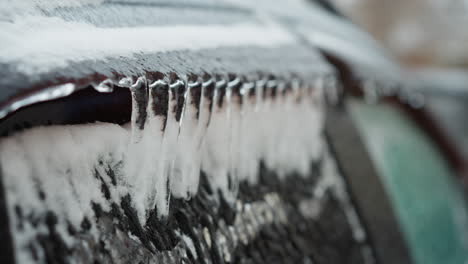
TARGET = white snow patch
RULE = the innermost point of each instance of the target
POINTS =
(38, 44)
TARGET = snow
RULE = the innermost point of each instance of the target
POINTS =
(69, 163)
(38, 44)
(152, 161)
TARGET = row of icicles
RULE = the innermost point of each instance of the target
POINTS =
(223, 125)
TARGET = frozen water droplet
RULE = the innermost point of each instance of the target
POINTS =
(105, 86)
(126, 82)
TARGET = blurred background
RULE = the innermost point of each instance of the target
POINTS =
(419, 32)
(429, 38)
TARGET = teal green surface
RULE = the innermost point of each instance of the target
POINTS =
(428, 203)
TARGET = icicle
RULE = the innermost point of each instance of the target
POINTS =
(169, 144)
(216, 151)
(269, 125)
(138, 167)
(139, 102)
(333, 89)
(234, 107)
(159, 102)
(176, 177)
(279, 137)
(204, 115)
(157, 115)
(186, 143)
(248, 165)
(257, 122)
